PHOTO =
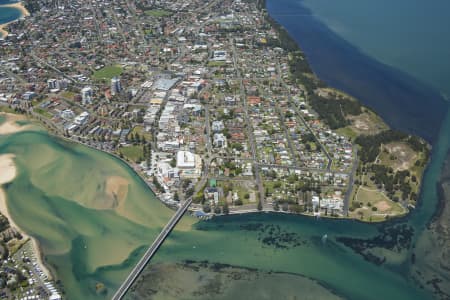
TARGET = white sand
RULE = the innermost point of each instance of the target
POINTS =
(8, 172)
(10, 125)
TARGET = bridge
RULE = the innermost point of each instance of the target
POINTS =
(120, 293)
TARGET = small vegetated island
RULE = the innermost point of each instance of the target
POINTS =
(222, 107)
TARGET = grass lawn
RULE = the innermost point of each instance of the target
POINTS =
(5, 109)
(376, 199)
(133, 153)
(348, 132)
(68, 95)
(216, 63)
(237, 188)
(43, 112)
(107, 73)
(158, 13)
(140, 130)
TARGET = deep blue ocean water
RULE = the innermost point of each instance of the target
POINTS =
(411, 35)
(3, 2)
(406, 101)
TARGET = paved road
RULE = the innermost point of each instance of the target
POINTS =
(251, 137)
(350, 182)
(120, 293)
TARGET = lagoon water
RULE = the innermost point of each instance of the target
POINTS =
(93, 216)
(88, 210)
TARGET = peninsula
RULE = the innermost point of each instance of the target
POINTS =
(211, 93)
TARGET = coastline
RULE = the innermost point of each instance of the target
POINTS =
(23, 13)
(50, 131)
(389, 91)
(8, 173)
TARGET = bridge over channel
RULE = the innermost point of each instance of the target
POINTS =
(120, 293)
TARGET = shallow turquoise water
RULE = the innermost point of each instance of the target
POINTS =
(254, 241)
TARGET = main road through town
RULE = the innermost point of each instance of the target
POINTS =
(120, 293)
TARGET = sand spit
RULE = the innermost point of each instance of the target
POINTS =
(10, 126)
(8, 172)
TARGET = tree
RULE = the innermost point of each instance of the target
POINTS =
(225, 209)
(186, 183)
(173, 163)
(189, 192)
(276, 207)
(206, 208)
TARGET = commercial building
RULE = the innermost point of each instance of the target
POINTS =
(86, 95)
(116, 87)
(189, 164)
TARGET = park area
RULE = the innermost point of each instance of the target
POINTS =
(107, 73)
(373, 205)
(158, 13)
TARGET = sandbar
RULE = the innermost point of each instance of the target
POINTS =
(8, 172)
(10, 126)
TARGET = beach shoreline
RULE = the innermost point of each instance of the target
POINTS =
(23, 13)
(8, 173)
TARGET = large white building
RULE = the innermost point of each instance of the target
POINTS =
(116, 87)
(82, 118)
(86, 95)
(52, 84)
(189, 164)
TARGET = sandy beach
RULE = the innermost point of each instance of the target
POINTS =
(24, 13)
(8, 172)
(10, 125)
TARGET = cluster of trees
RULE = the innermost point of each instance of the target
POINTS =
(334, 111)
(157, 185)
(4, 224)
(217, 209)
(392, 182)
(371, 144)
(234, 169)
(301, 72)
(147, 152)
(136, 138)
